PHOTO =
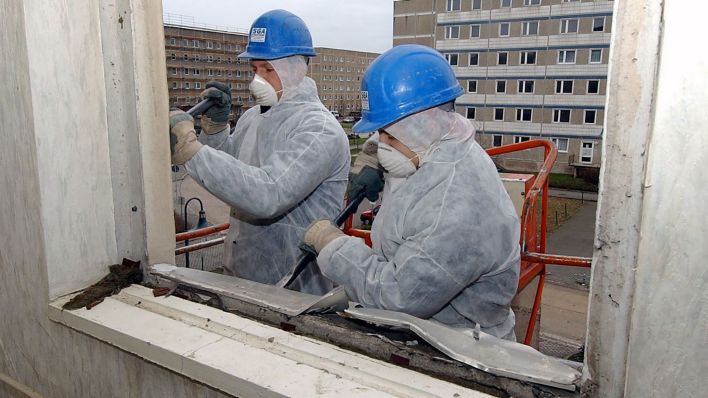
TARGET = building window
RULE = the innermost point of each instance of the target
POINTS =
(523, 114)
(499, 114)
(503, 29)
(564, 87)
(593, 87)
(561, 116)
(195, 43)
(496, 140)
(532, 2)
(218, 60)
(590, 116)
(598, 24)
(452, 32)
(527, 58)
(185, 43)
(561, 144)
(197, 85)
(196, 57)
(501, 86)
(474, 59)
(210, 58)
(218, 46)
(476, 4)
(526, 86)
(586, 151)
(185, 57)
(529, 28)
(475, 30)
(569, 26)
(505, 3)
(595, 56)
(566, 56)
(521, 138)
(502, 58)
(452, 59)
(453, 5)
(173, 56)
(174, 85)
(210, 45)
(173, 41)
(197, 72)
(471, 112)
(472, 86)
(173, 70)
(186, 85)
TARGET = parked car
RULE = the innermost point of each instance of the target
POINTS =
(335, 114)
(348, 119)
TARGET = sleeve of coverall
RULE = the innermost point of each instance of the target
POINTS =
(293, 171)
(427, 271)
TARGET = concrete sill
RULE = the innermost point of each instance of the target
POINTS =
(238, 356)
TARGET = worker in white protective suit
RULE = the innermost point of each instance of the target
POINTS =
(285, 164)
(446, 239)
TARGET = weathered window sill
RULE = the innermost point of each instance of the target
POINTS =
(240, 356)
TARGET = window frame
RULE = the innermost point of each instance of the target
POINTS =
(523, 57)
(508, 3)
(530, 3)
(566, 52)
(449, 56)
(476, 83)
(525, 28)
(474, 112)
(521, 138)
(592, 150)
(592, 28)
(449, 29)
(501, 140)
(587, 112)
(508, 29)
(496, 86)
(521, 115)
(559, 113)
(503, 111)
(469, 59)
(567, 21)
(450, 6)
(499, 58)
(590, 61)
(521, 86)
(562, 86)
(587, 87)
(479, 31)
(556, 140)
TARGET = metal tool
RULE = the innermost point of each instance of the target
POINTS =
(306, 257)
(201, 107)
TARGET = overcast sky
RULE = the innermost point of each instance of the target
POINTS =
(362, 25)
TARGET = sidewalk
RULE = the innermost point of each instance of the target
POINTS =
(574, 238)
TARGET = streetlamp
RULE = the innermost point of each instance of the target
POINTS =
(201, 223)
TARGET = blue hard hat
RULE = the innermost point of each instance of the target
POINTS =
(277, 34)
(402, 81)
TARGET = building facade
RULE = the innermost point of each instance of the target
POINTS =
(197, 54)
(338, 74)
(530, 69)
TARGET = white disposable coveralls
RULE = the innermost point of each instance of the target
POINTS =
(279, 171)
(446, 239)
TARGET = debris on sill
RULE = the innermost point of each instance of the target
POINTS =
(120, 276)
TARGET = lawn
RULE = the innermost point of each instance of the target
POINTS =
(566, 181)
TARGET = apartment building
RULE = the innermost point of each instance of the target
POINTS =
(530, 68)
(199, 53)
(338, 74)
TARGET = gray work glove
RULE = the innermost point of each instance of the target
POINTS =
(319, 234)
(183, 138)
(366, 174)
(216, 118)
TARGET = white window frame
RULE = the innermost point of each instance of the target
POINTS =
(562, 86)
(451, 5)
(185, 71)
(522, 87)
(590, 61)
(494, 116)
(467, 112)
(521, 115)
(528, 3)
(587, 87)
(508, 29)
(476, 84)
(469, 59)
(521, 138)
(210, 45)
(452, 32)
(563, 56)
(479, 31)
(197, 85)
(524, 56)
(186, 85)
(526, 28)
(502, 2)
(594, 117)
(173, 41)
(561, 149)
(558, 113)
(195, 43)
(449, 57)
(496, 86)
(565, 26)
(591, 148)
(506, 59)
(592, 28)
(501, 140)
(477, 2)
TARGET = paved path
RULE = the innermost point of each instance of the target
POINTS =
(574, 238)
(570, 194)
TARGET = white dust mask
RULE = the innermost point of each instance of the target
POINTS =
(395, 163)
(263, 92)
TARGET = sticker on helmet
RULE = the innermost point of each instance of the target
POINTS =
(258, 35)
(365, 100)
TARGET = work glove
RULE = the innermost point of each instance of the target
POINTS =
(183, 138)
(216, 118)
(319, 234)
(366, 173)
